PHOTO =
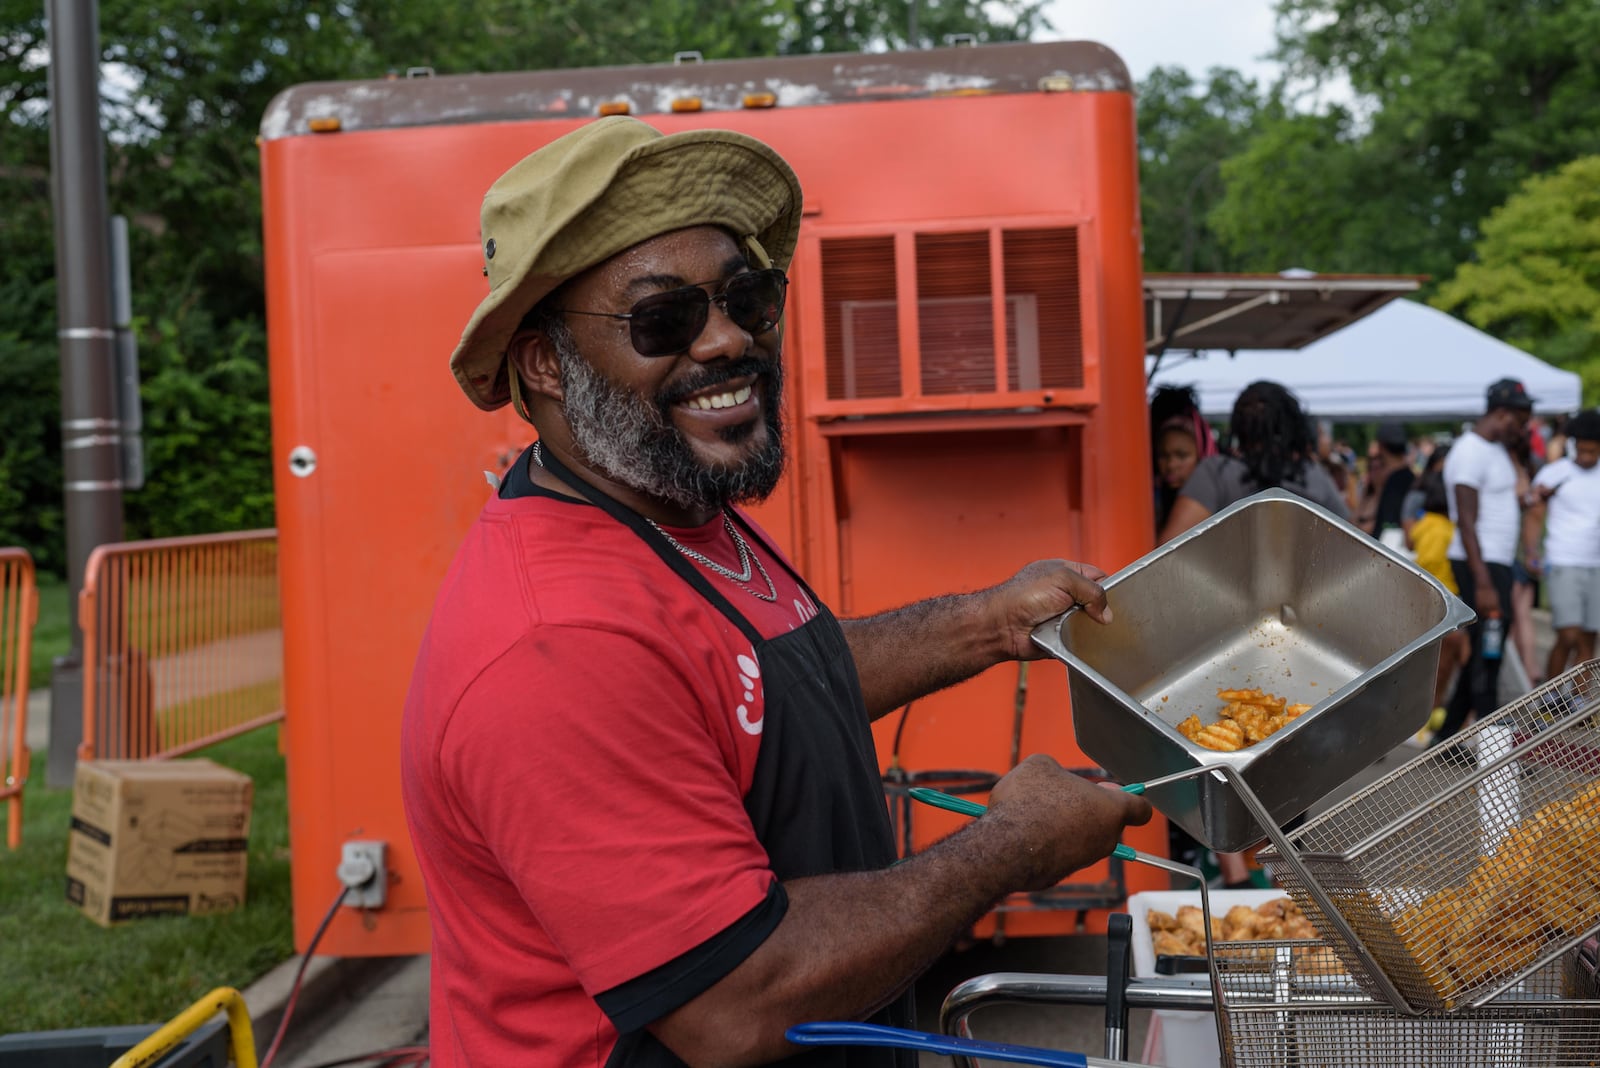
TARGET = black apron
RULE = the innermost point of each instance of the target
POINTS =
(816, 799)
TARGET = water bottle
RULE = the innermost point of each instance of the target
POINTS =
(1494, 637)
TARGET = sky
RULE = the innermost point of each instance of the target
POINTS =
(1194, 34)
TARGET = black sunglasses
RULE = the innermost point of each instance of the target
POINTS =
(665, 324)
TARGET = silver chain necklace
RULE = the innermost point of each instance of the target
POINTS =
(747, 558)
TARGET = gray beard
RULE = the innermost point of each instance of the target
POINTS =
(631, 439)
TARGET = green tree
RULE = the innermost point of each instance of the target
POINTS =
(1535, 279)
(850, 25)
(1300, 195)
(1187, 128)
(1459, 101)
(187, 84)
(31, 501)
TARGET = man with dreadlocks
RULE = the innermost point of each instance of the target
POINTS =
(1269, 451)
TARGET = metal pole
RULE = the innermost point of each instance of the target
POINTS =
(91, 458)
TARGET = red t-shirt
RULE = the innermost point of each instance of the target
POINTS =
(580, 733)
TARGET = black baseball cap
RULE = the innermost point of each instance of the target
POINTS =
(1392, 436)
(1509, 393)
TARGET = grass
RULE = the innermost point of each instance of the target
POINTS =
(59, 969)
(52, 636)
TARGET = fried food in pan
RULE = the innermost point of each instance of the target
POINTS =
(1541, 882)
(1248, 717)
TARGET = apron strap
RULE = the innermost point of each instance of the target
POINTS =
(635, 522)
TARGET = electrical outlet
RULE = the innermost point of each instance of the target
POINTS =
(362, 869)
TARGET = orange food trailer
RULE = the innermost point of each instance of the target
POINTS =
(965, 339)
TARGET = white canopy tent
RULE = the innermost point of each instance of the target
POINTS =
(1403, 361)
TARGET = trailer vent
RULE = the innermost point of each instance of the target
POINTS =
(955, 313)
(860, 318)
(1041, 273)
(955, 308)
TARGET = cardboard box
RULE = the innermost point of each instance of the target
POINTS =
(159, 837)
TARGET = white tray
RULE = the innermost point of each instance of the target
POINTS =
(1181, 1039)
(1169, 901)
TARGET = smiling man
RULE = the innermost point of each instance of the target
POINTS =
(636, 755)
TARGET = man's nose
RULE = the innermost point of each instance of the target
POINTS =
(722, 338)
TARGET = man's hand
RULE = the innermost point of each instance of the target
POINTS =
(1061, 821)
(1041, 591)
(1486, 597)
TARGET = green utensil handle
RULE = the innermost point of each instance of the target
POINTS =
(940, 799)
(1134, 788)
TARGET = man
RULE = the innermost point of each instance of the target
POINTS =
(1389, 479)
(1566, 492)
(636, 759)
(1482, 483)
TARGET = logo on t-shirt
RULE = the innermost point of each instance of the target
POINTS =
(750, 677)
(804, 608)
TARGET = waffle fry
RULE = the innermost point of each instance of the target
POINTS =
(1248, 717)
(1224, 735)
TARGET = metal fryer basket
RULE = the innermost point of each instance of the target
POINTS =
(1272, 592)
(1468, 869)
(1292, 1003)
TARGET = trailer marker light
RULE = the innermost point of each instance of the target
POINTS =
(760, 100)
(1056, 83)
(616, 107)
(326, 124)
(686, 103)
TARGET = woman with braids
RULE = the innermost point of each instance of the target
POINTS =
(1273, 447)
(1270, 450)
(1179, 439)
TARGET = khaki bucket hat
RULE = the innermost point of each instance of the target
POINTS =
(598, 191)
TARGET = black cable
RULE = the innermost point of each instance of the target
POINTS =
(900, 729)
(299, 976)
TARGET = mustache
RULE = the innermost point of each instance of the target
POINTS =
(714, 375)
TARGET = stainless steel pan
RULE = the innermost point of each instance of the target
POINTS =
(1272, 592)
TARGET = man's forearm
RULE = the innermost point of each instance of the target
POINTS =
(922, 648)
(851, 944)
(1467, 526)
(848, 945)
(1474, 554)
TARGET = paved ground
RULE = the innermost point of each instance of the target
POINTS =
(346, 1008)
(357, 1006)
(216, 667)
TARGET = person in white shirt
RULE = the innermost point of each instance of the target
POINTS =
(1482, 483)
(1565, 505)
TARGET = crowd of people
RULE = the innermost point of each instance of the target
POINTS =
(1507, 504)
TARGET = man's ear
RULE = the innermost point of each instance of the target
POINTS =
(534, 358)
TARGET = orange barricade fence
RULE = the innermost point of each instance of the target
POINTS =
(19, 611)
(182, 644)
